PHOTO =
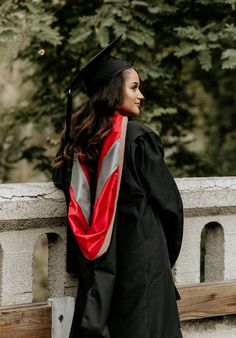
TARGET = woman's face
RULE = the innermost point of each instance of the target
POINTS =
(132, 94)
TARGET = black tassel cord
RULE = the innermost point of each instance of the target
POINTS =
(68, 116)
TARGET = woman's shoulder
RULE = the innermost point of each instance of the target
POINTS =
(137, 129)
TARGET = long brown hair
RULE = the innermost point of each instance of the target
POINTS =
(91, 124)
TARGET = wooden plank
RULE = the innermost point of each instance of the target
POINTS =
(26, 321)
(207, 300)
(198, 301)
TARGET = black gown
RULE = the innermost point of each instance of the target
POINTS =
(129, 291)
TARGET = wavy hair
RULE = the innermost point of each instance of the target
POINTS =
(91, 124)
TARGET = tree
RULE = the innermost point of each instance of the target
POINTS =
(177, 45)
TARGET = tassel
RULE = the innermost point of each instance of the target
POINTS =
(68, 116)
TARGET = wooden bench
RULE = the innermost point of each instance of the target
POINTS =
(26, 321)
(207, 300)
(202, 300)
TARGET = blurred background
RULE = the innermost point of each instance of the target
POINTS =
(185, 52)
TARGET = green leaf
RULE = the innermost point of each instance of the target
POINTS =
(136, 37)
(120, 30)
(79, 34)
(102, 35)
(228, 32)
(165, 111)
(205, 60)
(212, 36)
(162, 9)
(190, 32)
(33, 8)
(139, 3)
(110, 1)
(109, 22)
(142, 38)
(229, 59)
(185, 49)
(9, 29)
(10, 48)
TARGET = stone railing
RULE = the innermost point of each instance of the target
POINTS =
(28, 211)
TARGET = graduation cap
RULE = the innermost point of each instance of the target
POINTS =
(94, 74)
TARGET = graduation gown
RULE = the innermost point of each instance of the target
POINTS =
(129, 291)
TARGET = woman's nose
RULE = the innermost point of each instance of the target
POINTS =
(140, 95)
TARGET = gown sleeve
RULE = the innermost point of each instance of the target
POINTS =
(160, 187)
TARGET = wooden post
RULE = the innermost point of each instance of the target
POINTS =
(62, 315)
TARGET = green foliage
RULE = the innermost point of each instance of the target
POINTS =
(21, 22)
(229, 57)
(172, 44)
(11, 145)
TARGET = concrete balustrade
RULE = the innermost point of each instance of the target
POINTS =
(28, 211)
(207, 200)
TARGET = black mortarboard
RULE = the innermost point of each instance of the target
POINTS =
(100, 69)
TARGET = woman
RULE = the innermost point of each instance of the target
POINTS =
(124, 210)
